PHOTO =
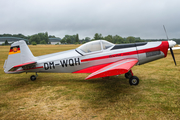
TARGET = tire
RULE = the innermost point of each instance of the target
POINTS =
(33, 78)
(128, 75)
(134, 80)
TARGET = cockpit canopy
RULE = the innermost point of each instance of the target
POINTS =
(94, 46)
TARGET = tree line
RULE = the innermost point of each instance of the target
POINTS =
(43, 38)
(40, 38)
(14, 35)
(74, 39)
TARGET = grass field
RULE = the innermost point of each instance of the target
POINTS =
(69, 96)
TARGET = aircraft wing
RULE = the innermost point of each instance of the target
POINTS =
(116, 68)
(25, 66)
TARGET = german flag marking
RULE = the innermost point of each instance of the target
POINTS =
(14, 50)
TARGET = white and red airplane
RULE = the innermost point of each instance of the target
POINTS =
(100, 58)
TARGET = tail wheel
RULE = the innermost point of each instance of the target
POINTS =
(134, 80)
(33, 78)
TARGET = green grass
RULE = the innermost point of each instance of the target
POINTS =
(69, 96)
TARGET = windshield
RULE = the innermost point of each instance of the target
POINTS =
(106, 44)
(91, 46)
(94, 46)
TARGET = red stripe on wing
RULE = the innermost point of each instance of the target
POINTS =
(117, 68)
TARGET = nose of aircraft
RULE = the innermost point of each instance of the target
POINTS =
(171, 43)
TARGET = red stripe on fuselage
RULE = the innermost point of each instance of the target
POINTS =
(35, 68)
(24, 64)
(110, 56)
(162, 47)
(26, 69)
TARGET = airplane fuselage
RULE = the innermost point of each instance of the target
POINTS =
(75, 61)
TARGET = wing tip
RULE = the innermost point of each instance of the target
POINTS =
(87, 78)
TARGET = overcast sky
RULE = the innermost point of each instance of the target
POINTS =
(139, 18)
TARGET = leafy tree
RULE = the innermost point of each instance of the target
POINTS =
(109, 38)
(117, 39)
(138, 39)
(6, 42)
(39, 37)
(63, 41)
(83, 42)
(87, 39)
(19, 35)
(34, 43)
(46, 37)
(7, 35)
(73, 38)
(68, 40)
(52, 36)
(35, 38)
(98, 36)
(77, 38)
(43, 42)
(131, 39)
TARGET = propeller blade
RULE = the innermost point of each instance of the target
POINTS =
(171, 44)
(165, 32)
(173, 55)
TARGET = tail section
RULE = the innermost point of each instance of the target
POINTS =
(19, 54)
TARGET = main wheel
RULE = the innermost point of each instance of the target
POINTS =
(128, 75)
(33, 78)
(134, 80)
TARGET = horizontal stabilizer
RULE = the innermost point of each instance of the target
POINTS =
(25, 66)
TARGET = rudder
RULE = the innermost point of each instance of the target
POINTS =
(19, 53)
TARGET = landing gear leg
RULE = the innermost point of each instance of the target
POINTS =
(133, 80)
(33, 77)
(129, 74)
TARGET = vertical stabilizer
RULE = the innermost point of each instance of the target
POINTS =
(19, 54)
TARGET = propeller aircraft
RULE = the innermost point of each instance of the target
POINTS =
(100, 58)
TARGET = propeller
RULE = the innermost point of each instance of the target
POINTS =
(173, 55)
(171, 44)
